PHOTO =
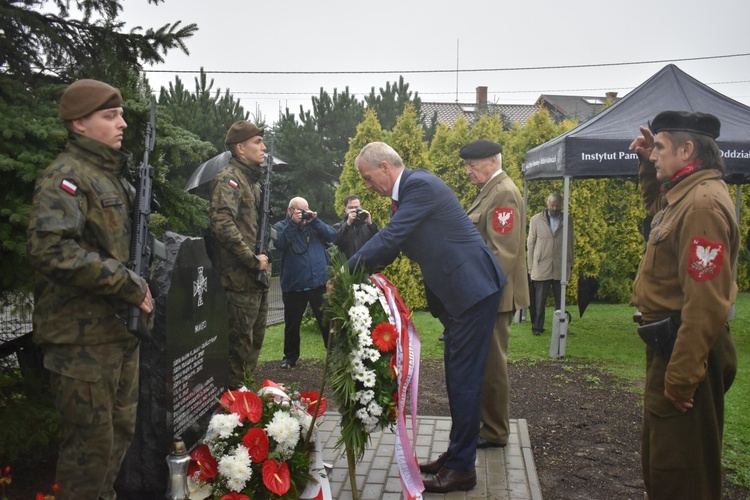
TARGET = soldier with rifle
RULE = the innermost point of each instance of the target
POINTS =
(236, 211)
(79, 243)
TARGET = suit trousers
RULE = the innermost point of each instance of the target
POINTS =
(495, 412)
(539, 297)
(467, 337)
(295, 304)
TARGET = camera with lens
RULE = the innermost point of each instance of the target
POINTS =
(306, 214)
(361, 215)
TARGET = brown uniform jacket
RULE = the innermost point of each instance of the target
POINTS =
(498, 214)
(688, 268)
(235, 204)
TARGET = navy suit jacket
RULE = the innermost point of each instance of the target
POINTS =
(431, 228)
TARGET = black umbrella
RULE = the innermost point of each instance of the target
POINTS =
(587, 288)
(201, 179)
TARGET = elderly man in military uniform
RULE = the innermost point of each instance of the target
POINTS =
(235, 209)
(79, 242)
(684, 290)
(498, 214)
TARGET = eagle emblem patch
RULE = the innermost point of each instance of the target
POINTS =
(503, 220)
(706, 258)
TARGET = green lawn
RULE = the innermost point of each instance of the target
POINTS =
(604, 337)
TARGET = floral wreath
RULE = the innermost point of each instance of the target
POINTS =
(255, 446)
(373, 367)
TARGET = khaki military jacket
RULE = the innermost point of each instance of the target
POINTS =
(688, 268)
(235, 208)
(79, 244)
(545, 248)
(498, 214)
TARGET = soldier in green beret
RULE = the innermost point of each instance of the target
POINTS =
(684, 290)
(79, 243)
(235, 213)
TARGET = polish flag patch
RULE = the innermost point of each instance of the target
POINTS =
(69, 186)
(706, 258)
(233, 183)
(503, 220)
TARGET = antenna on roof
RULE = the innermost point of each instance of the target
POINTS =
(457, 55)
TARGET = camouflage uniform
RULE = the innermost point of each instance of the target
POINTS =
(235, 207)
(681, 452)
(79, 240)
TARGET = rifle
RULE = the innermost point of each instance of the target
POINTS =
(263, 241)
(143, 244)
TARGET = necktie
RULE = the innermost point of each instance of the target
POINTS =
(394, 206)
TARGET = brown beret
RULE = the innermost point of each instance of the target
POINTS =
(83, 97)
(480, 149)
(685, 121)
(241, 131)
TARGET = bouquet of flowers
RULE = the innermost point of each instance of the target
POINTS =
(362, 369)
(374, 366)
(255, 446)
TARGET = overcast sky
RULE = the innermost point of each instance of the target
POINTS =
(401, 35)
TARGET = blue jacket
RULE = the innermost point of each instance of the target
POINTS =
(431, 228)
(304, 257)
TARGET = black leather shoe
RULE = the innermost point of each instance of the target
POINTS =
(287, 364)
(483, 443)
(435, 466)
(451, 480)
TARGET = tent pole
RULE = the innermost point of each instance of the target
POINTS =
(737, 212)
(560, 319)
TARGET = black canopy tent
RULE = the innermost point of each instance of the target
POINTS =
(599, 146)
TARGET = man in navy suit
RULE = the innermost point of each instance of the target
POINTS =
(463, 284)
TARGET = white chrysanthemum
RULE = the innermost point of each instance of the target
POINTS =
(235, 468)
(374, 409)
(369, 379)
(357, 365)
(362, 414)
(364, 397)
(371, 354)
(360, 298)
(285, 430)
(222, 426)
(364, 338)
(365, 376)
(372, 293)
(360, 318)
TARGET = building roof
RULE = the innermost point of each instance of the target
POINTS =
(449, 112)
(575, 107)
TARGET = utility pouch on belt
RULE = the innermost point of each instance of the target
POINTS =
(660, 335)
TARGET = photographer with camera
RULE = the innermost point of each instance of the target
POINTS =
(302, 238)
(356, 228)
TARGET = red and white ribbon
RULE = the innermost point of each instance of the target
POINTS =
(407, 360)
